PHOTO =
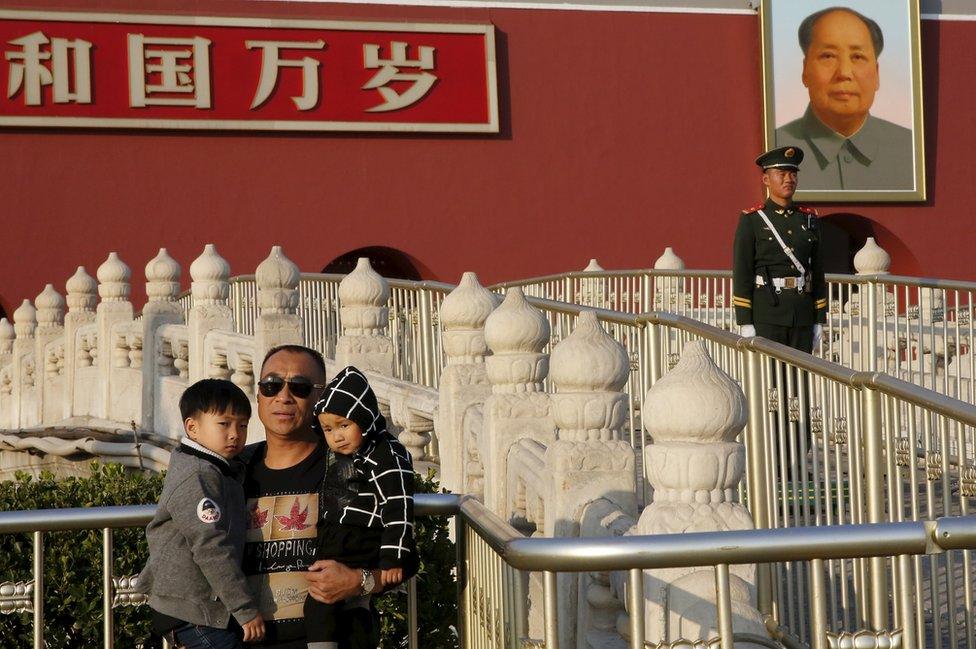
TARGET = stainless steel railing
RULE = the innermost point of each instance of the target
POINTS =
(918, 329)
(495, 563)
(827, 444)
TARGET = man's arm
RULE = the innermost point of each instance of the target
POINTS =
(330, 581)
(743, 271)
(820, 296)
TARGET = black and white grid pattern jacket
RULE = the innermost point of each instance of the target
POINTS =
(385, 472)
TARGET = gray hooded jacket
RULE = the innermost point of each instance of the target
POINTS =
(196, 542)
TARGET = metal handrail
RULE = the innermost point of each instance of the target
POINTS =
(490, 579)
(917, 282)
(574, 554)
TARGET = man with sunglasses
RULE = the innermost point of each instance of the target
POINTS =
(283, 480)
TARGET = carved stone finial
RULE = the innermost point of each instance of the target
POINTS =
(669, 261)
(468, 305)
(516, 326)
(589, 370)
(516, 332)
(695, 402)
(50, 308)
(462, 314)
(113, 279)
(589, 360)
(162, 278)
(363, 295)
(277, 279)
(872, 259)
(593, 267)
(25, 320)
(363, 286)
(209, 274)
(82, 291)
(6, 336)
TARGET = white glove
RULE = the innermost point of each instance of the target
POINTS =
(747, 331)
(817, 335)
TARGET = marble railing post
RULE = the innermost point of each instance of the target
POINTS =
(593, 290)
(6, 342)
(209, 290)
(464, 379)
(278, 322)
(162, 289)
(25, 323)
(114, 308)
(589, 460)
(694, 414)
(364, 315)
(668, 290)
(6, 371)
(516, 333)
(50, 326)
(82, 298)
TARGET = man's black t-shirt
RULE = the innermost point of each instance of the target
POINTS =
(283, 509)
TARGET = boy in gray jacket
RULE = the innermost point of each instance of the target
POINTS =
(196, 587)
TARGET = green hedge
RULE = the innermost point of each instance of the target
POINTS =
(73, 563)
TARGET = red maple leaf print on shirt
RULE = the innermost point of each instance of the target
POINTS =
(257, 518)
(295, 521)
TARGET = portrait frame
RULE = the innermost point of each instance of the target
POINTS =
(884, 159)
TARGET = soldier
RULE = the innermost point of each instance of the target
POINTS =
(778, 279)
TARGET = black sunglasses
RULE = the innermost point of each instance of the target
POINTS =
(297, 386)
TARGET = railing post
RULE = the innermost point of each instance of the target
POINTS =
(723, 599)
(108, 627)
(38, 590)
(635, 601)
(874, 475)
(755, 434)
(412, 638)
(464, 609)
(550, 603)
(818, 598)
(872, 324)
(426, 339)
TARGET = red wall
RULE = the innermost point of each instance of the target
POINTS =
(622, 133)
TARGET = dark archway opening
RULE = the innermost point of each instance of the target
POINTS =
(844, 233)
(388, 262)
(3, 314)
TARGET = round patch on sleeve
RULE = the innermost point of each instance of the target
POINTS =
(208, 511)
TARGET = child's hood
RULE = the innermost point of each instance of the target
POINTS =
(349, 395)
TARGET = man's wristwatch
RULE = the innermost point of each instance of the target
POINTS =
(368, 583)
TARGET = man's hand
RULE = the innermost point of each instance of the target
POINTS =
(330, 581)
(254, 630)
(391, 577)
(747, 331)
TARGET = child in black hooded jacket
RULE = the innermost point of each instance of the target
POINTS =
(367, 499)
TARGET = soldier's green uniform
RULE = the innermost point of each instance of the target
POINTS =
(787, 313)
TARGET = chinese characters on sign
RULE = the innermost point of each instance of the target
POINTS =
(152, 72)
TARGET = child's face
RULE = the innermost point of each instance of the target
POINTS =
(223, 433)
(344, 436)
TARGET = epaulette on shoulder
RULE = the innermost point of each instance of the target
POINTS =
(809, 210)
(754, 208)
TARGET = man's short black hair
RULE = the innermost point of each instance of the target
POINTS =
(806, 28)
(214, 396)
(296, 349)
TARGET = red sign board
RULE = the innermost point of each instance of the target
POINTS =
(137, 71)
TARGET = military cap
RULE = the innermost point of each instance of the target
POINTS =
(785, 157)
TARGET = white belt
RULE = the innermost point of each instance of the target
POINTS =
(779, 283)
